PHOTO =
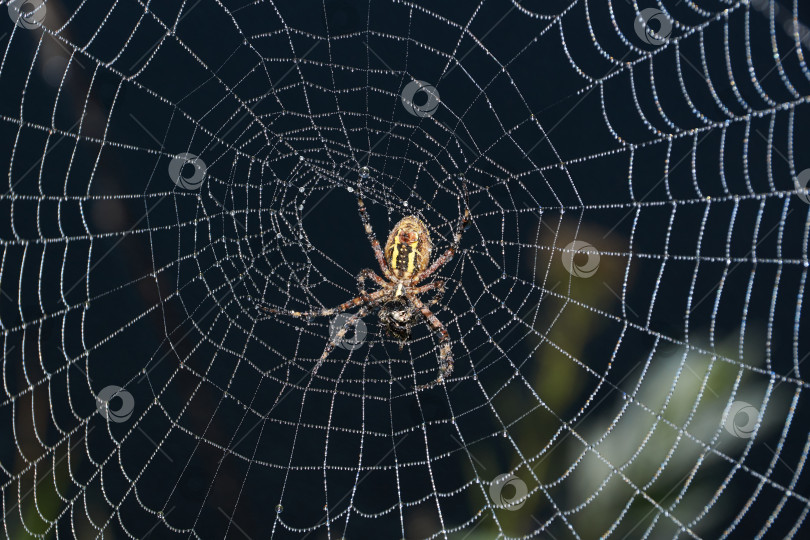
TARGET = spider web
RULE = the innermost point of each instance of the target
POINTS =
(626, 310)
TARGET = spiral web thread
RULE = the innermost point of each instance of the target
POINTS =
(626, 310)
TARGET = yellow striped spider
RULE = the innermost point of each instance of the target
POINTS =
(404, 264)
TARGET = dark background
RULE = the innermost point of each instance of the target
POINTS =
(154, 290)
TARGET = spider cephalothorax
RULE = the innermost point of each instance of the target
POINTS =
(405, 262)
(398, 316)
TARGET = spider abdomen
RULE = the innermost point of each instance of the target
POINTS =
(408, 248)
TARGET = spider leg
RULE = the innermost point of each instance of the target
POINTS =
(327, 312)
(437, 285)
(445, 354)
(338, 337)
(368, 273)
(447, 256)
(375, 244)
(437, 298)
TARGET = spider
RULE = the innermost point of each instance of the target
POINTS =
(405, 263)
